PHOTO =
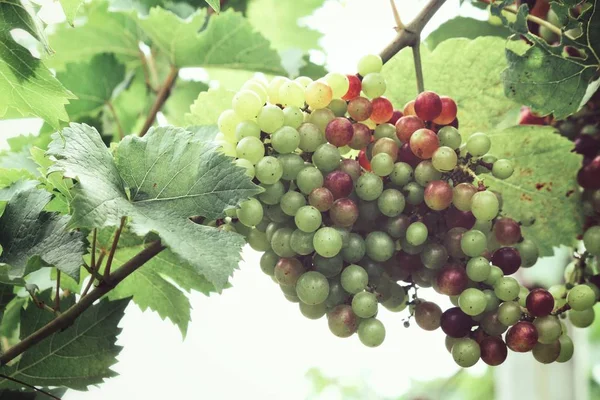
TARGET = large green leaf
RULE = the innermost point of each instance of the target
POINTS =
(93, 83)
(159, 182)
(27, 86)
(283, 28)
(182, 97)
(70, 8)
(456, 68)
(208, 106)
(543, 183)
(76, 357)
(32, 238)
(463, 27)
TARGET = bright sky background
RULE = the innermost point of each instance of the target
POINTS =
(250, 342)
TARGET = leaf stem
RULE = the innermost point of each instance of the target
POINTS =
(57, 298)
(29, 386)
(113, 249)
(399, 24)
(66, 319)
(161, 98)
(116, 118)
(416, 49)
(537, 20)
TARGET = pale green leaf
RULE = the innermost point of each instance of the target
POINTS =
(463, 27)
(208, 106)
(180, 100)
(70, 8)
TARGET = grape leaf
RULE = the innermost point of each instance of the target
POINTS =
(6, 193)
(182, 97)
(208, 106)
(32, 238)
(463, 27)
(229, 41)
(471, 80)
(284, 30)
(159, 182)
(215, 4)
(131, 106)
(93, 82)
(70, 8)
(551, 193)
(27, 86)
(79, 356)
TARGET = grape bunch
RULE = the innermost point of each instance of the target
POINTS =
(363, 204)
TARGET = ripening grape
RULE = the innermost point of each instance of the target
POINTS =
(321, 198)
(339, 132)
(452, 280)
(342, 321)
(493, 350)
(373, 85)
(423, 143)
(361, 136)
(428, 315)
(318, 95)
(360, 109)
(382, 110)
(448, 113)
(444, 159)
(438, 195)
(354, 87)
(478, 144)
(287, 271)
(522, 337)
(539, 302)
(406, 126)
(428, 106)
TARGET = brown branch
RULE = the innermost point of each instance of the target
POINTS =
(29, 386)
(67, 318)
(161, 98)
(116, 118)
(416, 49)
(94, 274)
(57, 298)
(113, 249)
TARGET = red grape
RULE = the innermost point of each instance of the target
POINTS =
(507, 231)
(408, 125)
(456, 218)
(339, 183)
(354, 88)
(361, 137)
(409, 108)
(360, 109)
(455, 323)
(507, 259)
(539, 302)
(424, 143)
(428, 315)
(528, 118)
(363, 160)
(438, 195)
(452, 242)
(493, 350)
(344, 212)
(448, 113)
(452, 280)
(382, 110)
(587, 145)
(288, 270)
(406, 155)
(588, 176)
(396, 115)
(339, 131)
(385, 145)
(351, 167)
(521, 337)
(428, 106)
(321, 199)
(342, 321)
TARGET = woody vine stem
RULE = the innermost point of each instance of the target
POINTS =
(407, 36)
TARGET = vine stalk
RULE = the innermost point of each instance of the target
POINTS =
(161, 98)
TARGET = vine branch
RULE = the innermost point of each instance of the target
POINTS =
(113, 249)
(30, 386)
(66, 319)
(116, 118)
(161, 98)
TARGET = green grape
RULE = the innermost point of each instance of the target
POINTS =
(386, 131)
(416, 234)
(292, 299)
(285, 140)
(364, 304)
(425, 173)
(391, 202)
(290, 289)
(310, 137)
(246, 104)
(472, 301)
(492, 301)
(258, 88)
(227, 148)
(227, 123)
(549, 329)
(582, 319)
(473, 243)
(449, 137)
(338, 106)
(506, 288)
(268, 261)
(509, 313)
(302, 242)
(247, 165)
(308, 218)
(258, 240)
(330, 267)
(321, 118)
(309, 178)
(326, 157)
(482, 226)
(338, 82)
(478, 144)
(268, 170)
(337, 294)
(444, 159)
(414, 193)
(466, 352)
(566, 349)
(379, 246)
(272, 193)
(291, 202)
(462, 195)
(262, 226)
(591, 240)
(247, 129)
(318, 95)
(502, 169)
(369, 63)
(250, 212)
(529, 253)
(355, 250)
(251, 149)
(369, 186)
(581, 297)
(280, 242)
(291, 94)
(272, 228)
(292, 164)
(373, 85)
(410, 248)
(523, 292)
(354, 279)
(434, 256)
(273, 88)
(401, 174)
(546, 353)
(478, 268)
(382, 164)
(485, 205)
(312, 288)
(293, 117)
(449, 342)
(371, 332)
(313, 311)
(396, 300)
(270, 118)
(327, 242)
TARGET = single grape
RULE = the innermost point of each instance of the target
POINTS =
(258, 88)
(308, 179)
(478, 268)
(428, 315)
(268, 261)
(338, 82)
(502, 169)
(472, 301)
(508, 259)
(466, 352)
(455, 323)
(434, 256)
(491, 325)
(321, 198)
(425, 173)
(448, 113)
(566, 349)
(250, 212)
(509, 313)
(344, 212)
(321, 118)
(313, 311)
(409, 108)
(374, 85)
(379, 246)
(354, 279)
(581, 297)
(423, 143)
(485, 205)
(522, 337)
(247, 165)
(506, 288)
(391, 202)
(327, 242)
(257, 240)
(387, 146)
(416, 234)
(383, 110)
(428, 106)
(361, 136)
(268, 170)
(288, 270)
(413, 193)
(342, 321)
(549, 329)
(582, 319)
(360, 109)
(539, 302)
(280, 242)
(371, 332)
(291, 94)
(450, 137)
(473, 243)
(364, 304)
(273, 88)
(312, 288)
(227, 123)
(291, 202)
(444, 159)
(308, 219)
(247, 129)
(326, 157)
(369, 63)
(246, 104)
(478, 144)
(339, 132)
(382, 164)
(318, 95)
(493, 350)
(507, 231)
(406, 126)
(591, 240)
(438, 195)
(292, 164)
(270, 118)
(354, 87)
(339, 183)
(302, 242)
(546, 353)
(330, 267)
(310, 137)
(272, 193)
(401, 174)
(451, 280)
(368, 187)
